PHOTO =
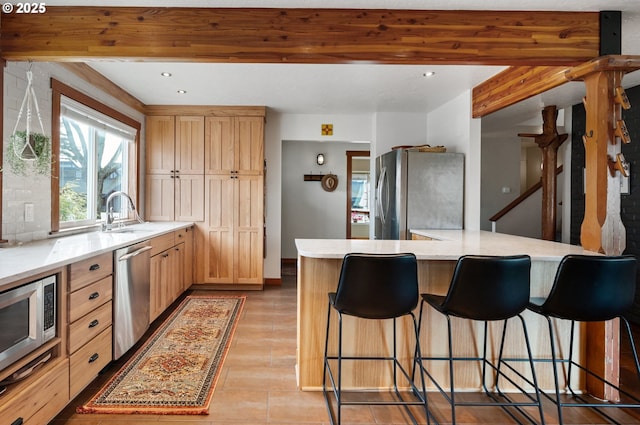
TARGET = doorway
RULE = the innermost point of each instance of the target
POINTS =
(358, 194)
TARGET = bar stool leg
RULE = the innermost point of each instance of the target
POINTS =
(500, 361)
(633, 344)
(451, 382)
(336, 388)
(555, 369)
(534, 379)
(417, 359)
(533, 369)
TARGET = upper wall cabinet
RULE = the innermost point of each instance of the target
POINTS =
(175, 168)
(235, 145)
(175, 144)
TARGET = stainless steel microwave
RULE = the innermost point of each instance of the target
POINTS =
(27, 319)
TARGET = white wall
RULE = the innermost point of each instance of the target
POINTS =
(394, 129)
(500, 166)
(308, 211)
(35, 189)
(300, 127)
(450, 125)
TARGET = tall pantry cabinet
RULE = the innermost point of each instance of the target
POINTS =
(233, 228)
(209, 169)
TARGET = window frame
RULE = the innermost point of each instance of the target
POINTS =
(60, 89)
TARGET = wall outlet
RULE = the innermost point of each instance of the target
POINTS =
(29, 213)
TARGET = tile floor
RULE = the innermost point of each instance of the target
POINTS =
(257, 383)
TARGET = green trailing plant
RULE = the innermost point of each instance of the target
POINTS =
(32, 156)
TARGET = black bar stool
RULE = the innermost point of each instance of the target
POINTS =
(378, 287)
(588, 289)
(487, 288)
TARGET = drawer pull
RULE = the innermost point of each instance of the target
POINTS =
(94, 323)
(94, 267)
(94, 295)
(94, 357)
(18, 421)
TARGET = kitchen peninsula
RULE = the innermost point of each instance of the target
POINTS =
(319, 263)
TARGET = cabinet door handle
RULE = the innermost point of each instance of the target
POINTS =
(94, 323)
(94, 267)
(18, 421)
(94, 357)
(94, 295)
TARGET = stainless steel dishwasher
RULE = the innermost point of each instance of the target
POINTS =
(130, 296)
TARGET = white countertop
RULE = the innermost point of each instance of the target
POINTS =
(22, 261)
(450, 245)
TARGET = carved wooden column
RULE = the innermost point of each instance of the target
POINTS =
(602, 229)
(549, 141)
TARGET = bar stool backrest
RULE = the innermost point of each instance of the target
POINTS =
(489, 287)
(377, 286)
(592, 288)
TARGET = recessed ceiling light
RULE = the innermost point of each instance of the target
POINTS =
(429, 74)
(165, 74)
(182, 91)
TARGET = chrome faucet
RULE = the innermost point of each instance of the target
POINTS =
(108, 224)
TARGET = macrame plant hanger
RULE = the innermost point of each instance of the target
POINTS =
(26, 150)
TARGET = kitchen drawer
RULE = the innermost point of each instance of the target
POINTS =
(162, 243)
(181, 235)
(90, 270)
(89, 326)
(40, 400)
(87, 362)
(89, 298)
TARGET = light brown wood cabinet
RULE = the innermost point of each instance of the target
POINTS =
(206, 165)
(230, 244)
(90, 339)
(40, 396)
(175, 168)
(170, 271)
(37, 399)
(187, 237)
(234, 145)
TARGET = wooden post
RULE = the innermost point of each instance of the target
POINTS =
(602, 229)
(549, 141)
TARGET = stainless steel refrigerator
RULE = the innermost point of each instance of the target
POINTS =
(418, 190)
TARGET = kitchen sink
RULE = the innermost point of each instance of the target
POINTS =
(129, 230)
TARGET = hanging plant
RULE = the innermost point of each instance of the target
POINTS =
(27, 150)
(29, 154)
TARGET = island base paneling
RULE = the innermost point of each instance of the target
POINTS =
(319, 276)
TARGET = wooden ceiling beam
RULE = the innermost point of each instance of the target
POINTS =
(518, 83)
(264, 35)
(513, 85)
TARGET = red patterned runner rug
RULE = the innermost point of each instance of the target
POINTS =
(176, 370)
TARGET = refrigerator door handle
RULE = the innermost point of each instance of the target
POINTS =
(381, 181)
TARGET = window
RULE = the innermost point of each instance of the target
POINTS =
(97, 156)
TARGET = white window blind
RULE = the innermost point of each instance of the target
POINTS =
(84, 114)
